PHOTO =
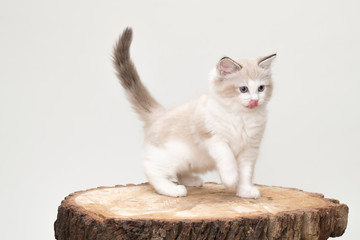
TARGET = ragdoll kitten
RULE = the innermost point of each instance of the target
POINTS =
(220, 130)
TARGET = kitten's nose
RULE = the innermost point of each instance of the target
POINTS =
(253, 103)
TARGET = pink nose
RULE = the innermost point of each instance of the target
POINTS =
(253, 103)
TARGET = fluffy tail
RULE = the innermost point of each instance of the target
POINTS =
(142, 101)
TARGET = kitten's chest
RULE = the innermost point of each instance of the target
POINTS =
(239, 130)
(245, 132)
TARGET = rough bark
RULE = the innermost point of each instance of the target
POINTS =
(209, 212)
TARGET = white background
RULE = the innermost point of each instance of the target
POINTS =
(65, 124)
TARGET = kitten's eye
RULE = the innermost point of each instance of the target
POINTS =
(261, 88)
(243, 89)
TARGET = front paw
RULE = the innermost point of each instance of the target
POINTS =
(229, 179)
(248, 192)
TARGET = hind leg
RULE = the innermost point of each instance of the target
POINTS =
(164, 186)
(160, 180)
(162, 164)
(190, 180)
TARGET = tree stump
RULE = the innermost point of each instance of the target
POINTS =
(208, 212)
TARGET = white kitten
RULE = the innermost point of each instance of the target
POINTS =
(221, 130)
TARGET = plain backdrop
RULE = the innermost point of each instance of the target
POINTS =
(65, 124)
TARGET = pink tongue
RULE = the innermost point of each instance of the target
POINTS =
(253, 103)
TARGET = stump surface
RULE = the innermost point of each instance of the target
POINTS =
(208, 212)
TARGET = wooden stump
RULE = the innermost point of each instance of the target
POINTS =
(208, 212)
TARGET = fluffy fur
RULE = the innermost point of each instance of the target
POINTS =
(221, 130)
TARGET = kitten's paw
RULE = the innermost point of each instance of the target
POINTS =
(248, 192)
(176, 191)
(191, 181)
(180, 191)
(229, 179)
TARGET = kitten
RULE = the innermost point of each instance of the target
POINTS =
(221, 130)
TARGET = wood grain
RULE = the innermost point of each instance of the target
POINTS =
(208, 212)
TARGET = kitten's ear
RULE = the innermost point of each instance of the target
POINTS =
(227, 66)
(265, 62)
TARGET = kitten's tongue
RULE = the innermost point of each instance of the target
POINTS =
(252, 103)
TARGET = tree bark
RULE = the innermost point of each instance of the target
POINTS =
(208, 212)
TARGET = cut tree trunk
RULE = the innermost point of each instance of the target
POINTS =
(208, 212)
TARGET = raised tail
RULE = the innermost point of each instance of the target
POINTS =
(142, 101)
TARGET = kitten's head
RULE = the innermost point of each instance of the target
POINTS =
(245, 82)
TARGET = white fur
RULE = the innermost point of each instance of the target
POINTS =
(235, 133)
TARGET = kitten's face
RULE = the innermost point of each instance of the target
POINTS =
(246, 82)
